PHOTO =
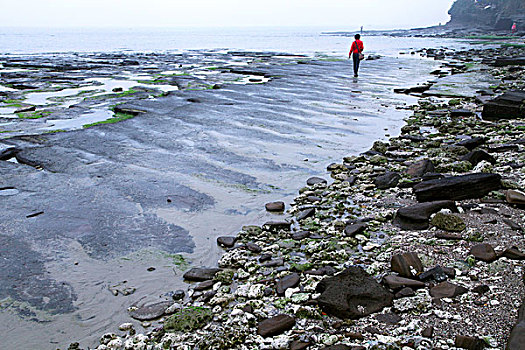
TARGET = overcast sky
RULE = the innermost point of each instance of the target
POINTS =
(332, 14)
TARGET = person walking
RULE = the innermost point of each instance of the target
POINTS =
(514, 28)
(356, 53)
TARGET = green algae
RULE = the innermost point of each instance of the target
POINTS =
(117, 117)
(188, 319)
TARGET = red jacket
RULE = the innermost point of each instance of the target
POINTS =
(360, 47)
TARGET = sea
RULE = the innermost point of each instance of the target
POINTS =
(372, 97)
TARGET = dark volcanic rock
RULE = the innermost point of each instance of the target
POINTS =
(275, 325)
(436, 273)
(484, 252)
(150, 312)
(278, 225)
(447, 290)
(416, 217)
(315, 180)
(355, 229)
(323, 271)
(472, 143)
(469, 343)
(477, 156)
(200, 274)
(469, 186)
(461, 113)
(388, 180)
(300, 235)
(420, 168)
(288, 281)
(275, 206)
(226, 241)
(406, 265)
(510, 105)
(352, 294)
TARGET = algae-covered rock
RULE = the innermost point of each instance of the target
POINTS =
(188, 319)
(448, 222)
(224, 276)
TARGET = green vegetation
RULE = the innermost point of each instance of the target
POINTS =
(514, 45)
(117, 117)
(33, 115)
(54, 131)
(188, 319)
(490, 37)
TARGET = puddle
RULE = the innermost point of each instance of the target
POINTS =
(8, 191)
(5, 88)
(8, 110)
(78, 123)
(253, 79)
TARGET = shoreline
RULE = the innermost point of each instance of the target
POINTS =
(272, 272)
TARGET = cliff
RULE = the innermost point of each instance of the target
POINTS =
(488, 14)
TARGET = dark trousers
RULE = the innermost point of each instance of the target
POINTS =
(355, 57)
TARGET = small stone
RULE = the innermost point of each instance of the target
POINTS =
(200, 274)
(396, 282)
(275, 325)
(252, 247)
(274, 263)
(469, 343)
(313, 199)
(387, 180)
(178, 294)
(300, 235)
(447, 236)
(481, 289)
(428, 332)
(204, 285)
(151, 269)
(447, 290)
(275, 206)
(305, 214)
(515, 197)
(278, 225)
(436, 273)
(405, 293)
(355, 229)
(420, 168)
(407, 264)
(484, 252)
(226, 241)
(513, 253)
(315, 180)
(390, 318)
(299, 345)
(150, 312)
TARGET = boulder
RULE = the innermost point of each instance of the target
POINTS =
(387, 180)
(476, 156)
(416, 217)
(275, 325)
(406, 265)
(448, 222)
(352, 294)
(510, 105)
(517, 336)
(471, 186)
(420, 168)
(200, 274)
(226, 241)
(484, 252)
(275, 206)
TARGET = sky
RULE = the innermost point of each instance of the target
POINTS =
(331, 14)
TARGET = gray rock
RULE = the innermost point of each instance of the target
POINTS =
(513, 225)
(300, 235)
(275, 325)
(478, 155)
(315, 180)
(515, 197)
(420, 168)
(204, 285)
(150, 312)
(200, 274)
(387, 180)
(275, 206)
(405, 293)
(469, 343)
(288, 281)
(355, 229)
(472, 143)
(306, 214)
(278, 225)
(513, 253)
(226, 241)
(507, 106)
(396, 282)
(252, 247)
(352, 294)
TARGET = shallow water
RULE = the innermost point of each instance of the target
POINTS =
(217, 161)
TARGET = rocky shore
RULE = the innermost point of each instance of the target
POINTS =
(417, 243)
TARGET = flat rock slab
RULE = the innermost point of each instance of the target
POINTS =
(355, 229)
(397, 282)
(201, 274)
(275, 325)
(510, 105)
(416, 217)
(352, 294)
(461, 85)
(447, 290)
(471, 186)
(150, 312)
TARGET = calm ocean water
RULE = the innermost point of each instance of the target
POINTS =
(291, 40)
